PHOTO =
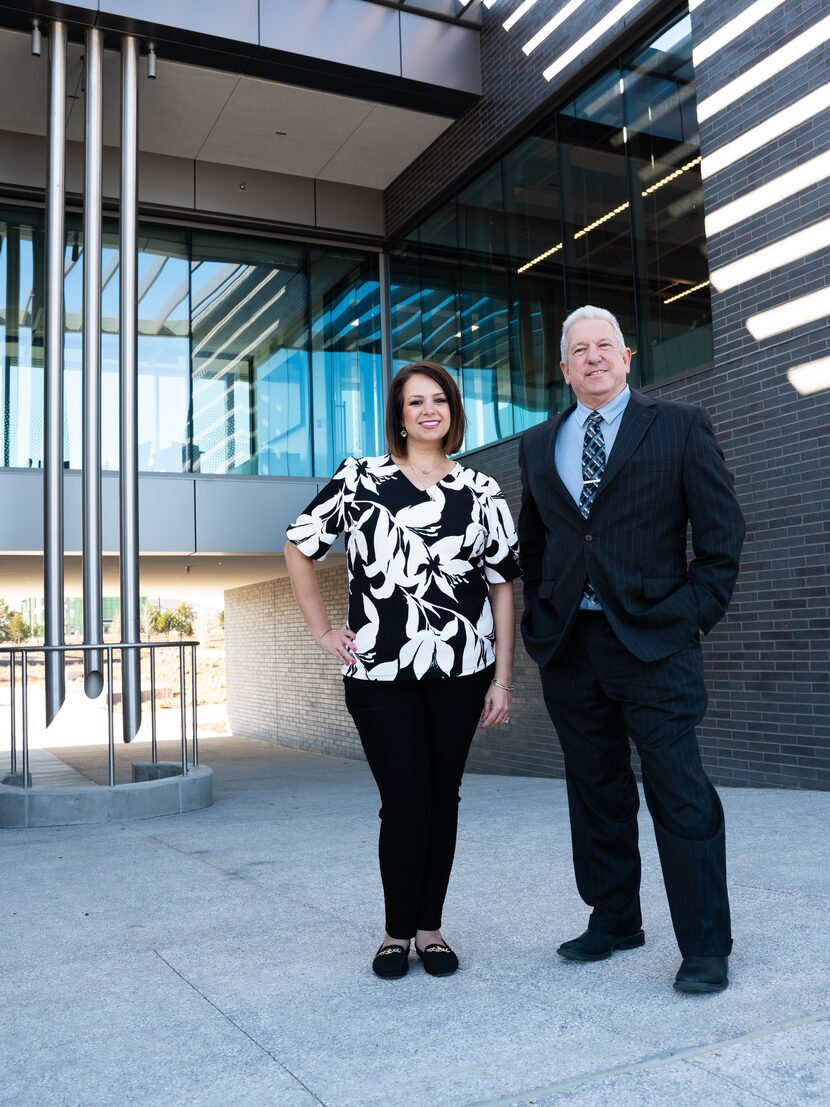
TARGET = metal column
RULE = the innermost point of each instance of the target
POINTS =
(53, 375)
(91, 505)
(12, 343)
(128, 484)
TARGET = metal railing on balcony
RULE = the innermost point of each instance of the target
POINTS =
(113, 652)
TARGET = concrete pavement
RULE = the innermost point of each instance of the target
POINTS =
(223, 957)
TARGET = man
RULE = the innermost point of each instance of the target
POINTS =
(612, 617)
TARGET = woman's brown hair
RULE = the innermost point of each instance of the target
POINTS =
(394, 406)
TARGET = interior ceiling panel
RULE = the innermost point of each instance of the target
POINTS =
(213, 116)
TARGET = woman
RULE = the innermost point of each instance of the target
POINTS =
(427, 652)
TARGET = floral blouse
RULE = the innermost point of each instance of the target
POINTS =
(420, 563)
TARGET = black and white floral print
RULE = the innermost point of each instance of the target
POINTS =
(420, 564)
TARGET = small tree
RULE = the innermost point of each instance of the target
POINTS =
(4, 620)
(181, 620)
(162, 621)
(18, 629)
(148, 616)
(222, 618)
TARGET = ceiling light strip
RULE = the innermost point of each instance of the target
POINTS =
(751, 203)
(672, 158)
(793, 116)
(522, 9)
(733, 29)
(590, 37)
(672, 176)
(528, 264)
(552, 24)
(602, 219)
(813, 376)
(765, 70)
(687, 292)
(786, 250)
(794, 313)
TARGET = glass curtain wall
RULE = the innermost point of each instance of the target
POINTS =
(601, 204)
(256, 357)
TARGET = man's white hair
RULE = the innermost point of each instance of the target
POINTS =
(590, 312)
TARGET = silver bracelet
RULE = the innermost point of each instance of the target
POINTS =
(504, 687)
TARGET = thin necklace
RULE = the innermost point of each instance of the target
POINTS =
(425, 472)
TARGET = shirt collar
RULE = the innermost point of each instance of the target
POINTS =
(611, 411)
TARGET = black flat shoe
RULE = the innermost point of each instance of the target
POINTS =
(698, 975)
(438, 959)
(593, 945)
(391, 962)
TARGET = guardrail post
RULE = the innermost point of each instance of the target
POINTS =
(24, 715)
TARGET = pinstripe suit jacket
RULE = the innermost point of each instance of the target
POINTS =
(666, 471)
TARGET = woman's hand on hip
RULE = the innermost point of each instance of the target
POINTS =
(339, 643)
(497, 704)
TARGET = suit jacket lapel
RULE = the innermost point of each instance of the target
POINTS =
(636, 420)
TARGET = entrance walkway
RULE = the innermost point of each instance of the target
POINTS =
(222, 958)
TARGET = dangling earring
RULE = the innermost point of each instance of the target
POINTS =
(403, 432)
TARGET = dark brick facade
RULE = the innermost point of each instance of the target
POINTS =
(768, 661)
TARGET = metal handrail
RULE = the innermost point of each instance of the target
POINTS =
(109, 648)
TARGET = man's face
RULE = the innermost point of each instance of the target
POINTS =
(596, 369)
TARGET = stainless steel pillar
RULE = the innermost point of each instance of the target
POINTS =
(130, 629)
(91, 502)
(53, 374)
(11, 360)
(385, 323)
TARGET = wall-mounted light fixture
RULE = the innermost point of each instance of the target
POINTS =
(518, 13)
(37, 44)
(776, 125)
(766, 195)
(794, 313)
(151, 60)
(783, 252)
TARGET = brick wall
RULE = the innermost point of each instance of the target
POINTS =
(769, 718)
(768, 661)
(282, 688)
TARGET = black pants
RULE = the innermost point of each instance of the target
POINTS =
(598, 695)
(416, 735)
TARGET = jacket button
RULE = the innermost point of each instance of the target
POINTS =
(588, 537)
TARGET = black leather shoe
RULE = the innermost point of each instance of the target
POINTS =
(702, 974)
(391, 962)
(593, 945)
(438, 959)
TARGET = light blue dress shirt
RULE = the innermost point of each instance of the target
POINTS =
(569, 442)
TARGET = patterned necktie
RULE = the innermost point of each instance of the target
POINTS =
(593, 466)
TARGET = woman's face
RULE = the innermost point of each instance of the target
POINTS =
(426, 411)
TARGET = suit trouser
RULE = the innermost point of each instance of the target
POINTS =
(598, 695)
(416, 735)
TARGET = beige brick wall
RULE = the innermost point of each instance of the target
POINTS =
(283, 688)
